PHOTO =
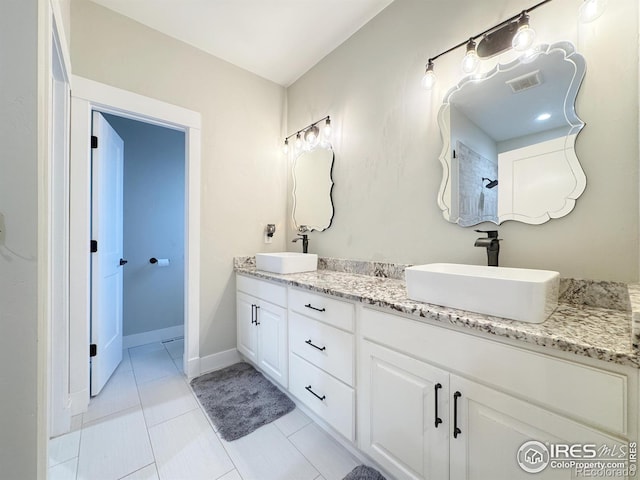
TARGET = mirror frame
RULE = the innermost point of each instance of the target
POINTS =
(310, 228)
(574, 123)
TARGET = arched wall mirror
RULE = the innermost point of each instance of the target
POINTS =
(312, 186)
(508, 141)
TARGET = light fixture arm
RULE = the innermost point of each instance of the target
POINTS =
(302, 130)
(489, 30)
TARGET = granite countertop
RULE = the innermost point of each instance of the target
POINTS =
(590, 331)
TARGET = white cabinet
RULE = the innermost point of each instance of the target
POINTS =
(410, 373)
(403, 406)
(492, 426)
(321, 345)
(262, 327)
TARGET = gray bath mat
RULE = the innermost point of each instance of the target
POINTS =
(363, 472)
(239, 399)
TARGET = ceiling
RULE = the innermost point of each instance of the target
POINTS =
(277, 39)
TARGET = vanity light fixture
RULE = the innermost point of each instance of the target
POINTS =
(514, 32)
(310, 134)
(471, 60)
(591, 9)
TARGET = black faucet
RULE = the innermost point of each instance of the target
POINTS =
(305, 241)
(492, 244)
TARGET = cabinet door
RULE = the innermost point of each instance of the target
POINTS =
(247, 332)
(493, 426)
(272, 342)
(397, 413)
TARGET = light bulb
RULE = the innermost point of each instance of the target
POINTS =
(524, 38)
(311, 134)
(429, 79)
(471, 60)
(326, 131)
(591, 9)
(285, 148)
(298, 143)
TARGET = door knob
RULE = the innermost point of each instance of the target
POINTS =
(123, 262)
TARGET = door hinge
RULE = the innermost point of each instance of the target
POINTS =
(94, 141)
(94, 246)
(93, 350)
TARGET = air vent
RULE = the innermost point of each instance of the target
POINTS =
(524, 82)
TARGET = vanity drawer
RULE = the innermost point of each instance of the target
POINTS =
(592, 395)
(331, 399)
(320, 307)
(325, 346)
(262, 289)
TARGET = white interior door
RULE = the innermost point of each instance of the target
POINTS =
(107, 161)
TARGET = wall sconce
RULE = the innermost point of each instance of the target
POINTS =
(514, 32)
(310, 134)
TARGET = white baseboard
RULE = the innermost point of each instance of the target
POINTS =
(79, 402)
(159, 335)
(219, 360)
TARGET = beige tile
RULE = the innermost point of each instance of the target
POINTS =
(266, 454)
(166, 398)
(114, 446)
(331, 459)
(186, 447)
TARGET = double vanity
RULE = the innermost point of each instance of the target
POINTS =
(436, 392)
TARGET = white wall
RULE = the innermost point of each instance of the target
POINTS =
(154, 189)
(387, 172)
(243, 173)
(18, 237)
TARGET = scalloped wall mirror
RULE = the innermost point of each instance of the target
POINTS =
(312, 185)
(508, 140)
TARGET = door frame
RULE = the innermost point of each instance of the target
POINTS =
(87, 96)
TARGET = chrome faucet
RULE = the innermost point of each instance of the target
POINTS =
(492, 244)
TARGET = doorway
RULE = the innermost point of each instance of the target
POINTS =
(88, 97)
(152, 226)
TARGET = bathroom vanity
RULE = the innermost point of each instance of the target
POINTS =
(430, 392)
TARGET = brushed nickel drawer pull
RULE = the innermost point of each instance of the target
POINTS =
(310, 343)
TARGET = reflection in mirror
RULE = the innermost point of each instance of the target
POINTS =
(312, 184)
(508, 141)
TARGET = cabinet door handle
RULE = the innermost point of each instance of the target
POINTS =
(308, 305)
(308, 389)
(257, 322)
(309, 342)
(437, 387)
(456, 430)
(253, 313)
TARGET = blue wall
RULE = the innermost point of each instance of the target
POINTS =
(154, 190)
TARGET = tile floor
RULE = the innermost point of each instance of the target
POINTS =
(147, 424)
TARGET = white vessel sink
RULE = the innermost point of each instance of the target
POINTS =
(287, 262)
(514, 293)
